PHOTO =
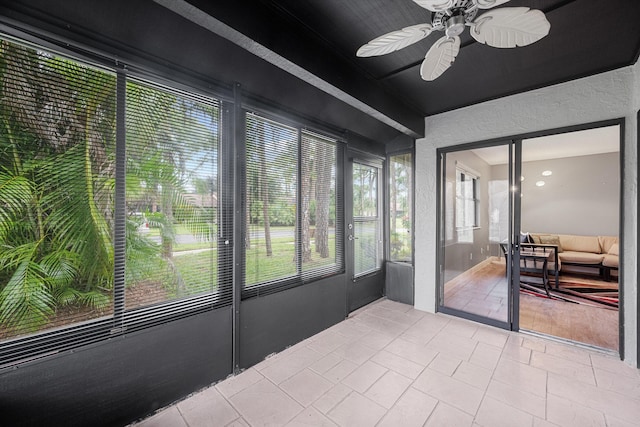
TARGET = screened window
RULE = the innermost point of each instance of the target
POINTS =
(467, 199)
(400, 206)
(57, 172)
(366, 219)
(171, 195)
(291, 204)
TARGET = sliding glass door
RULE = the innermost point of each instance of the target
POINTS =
(479, 205)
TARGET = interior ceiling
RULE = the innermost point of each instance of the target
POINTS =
(321, 36)
(571, 144)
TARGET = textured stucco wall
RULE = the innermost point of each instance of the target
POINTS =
(610, 95)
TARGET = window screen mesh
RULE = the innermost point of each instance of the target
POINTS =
(57, 154)
(291, 205)
(171, 195)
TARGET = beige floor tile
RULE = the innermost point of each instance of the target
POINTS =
(460, 328)
(563, 366)
(412, 410)
(485, 356)
(523, 376)
(614, 365)
(376, 340)
(169, 417)
(493, 413)
(290, 365)
(398, 364)
(328, 342)
(569, 352)
(627, 385)
(364, 376)
(351, 329)
(447, 416)
(518, 397)
(381, 325)
(356, 410)
(326, 363)
(449, 390)
(534, 343)
(473, 375)
(493, 336)
(388, 389)
(517, 353)
(208, 407)
(339, 372)
(265, 404)
(238, 423)
(311, 417)
(612, 421)
(607, 402)
(356, 352)
(417, 353)
(331, 398)
(567, 413)
(451, 345)
(237, 383)
(539, 422)
(445, 364)
(306, 386)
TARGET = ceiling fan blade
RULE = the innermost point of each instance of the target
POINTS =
(488, 4)
(436, 5)
(395, 40)
(439, 58)
(510, 27)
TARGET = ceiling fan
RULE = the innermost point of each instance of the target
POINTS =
(505, 27)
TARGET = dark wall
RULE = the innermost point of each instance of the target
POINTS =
(119, 380)
(273, 322)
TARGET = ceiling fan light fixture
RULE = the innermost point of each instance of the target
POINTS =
(454, 26)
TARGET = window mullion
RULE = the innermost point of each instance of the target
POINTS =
(120, 205)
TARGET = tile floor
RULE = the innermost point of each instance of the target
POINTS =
(391, 365)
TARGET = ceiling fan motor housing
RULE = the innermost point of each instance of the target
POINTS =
(452, 21)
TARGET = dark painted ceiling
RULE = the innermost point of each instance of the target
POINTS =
(586, 37)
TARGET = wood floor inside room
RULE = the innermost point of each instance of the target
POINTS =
(484, 292)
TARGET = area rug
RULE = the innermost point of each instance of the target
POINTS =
(590, 292)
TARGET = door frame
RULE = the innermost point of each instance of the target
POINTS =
(369, 287)
(621, 235)
(513, 263)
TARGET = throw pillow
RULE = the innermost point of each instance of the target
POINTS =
(614, 249)
(551, 240)
(525, 238)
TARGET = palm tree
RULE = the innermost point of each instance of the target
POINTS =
(56, 183)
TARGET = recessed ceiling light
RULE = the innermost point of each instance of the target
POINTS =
(547, 173)
(539, 183)
(521, 178)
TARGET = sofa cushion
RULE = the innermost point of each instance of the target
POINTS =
(580, 257)
(580, 243)
(614, 250)
(551, 240)
(606, 242)
(610, 261)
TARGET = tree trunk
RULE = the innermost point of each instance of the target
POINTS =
(323, 197)
(305, 190)
(263, 183)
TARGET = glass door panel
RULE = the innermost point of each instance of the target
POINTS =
(477, 207)
(366, 220)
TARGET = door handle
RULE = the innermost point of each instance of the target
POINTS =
(352, 238)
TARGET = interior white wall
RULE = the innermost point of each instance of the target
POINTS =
(609, 95)
(581, 197)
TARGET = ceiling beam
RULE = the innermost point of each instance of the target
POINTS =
(210, 23)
